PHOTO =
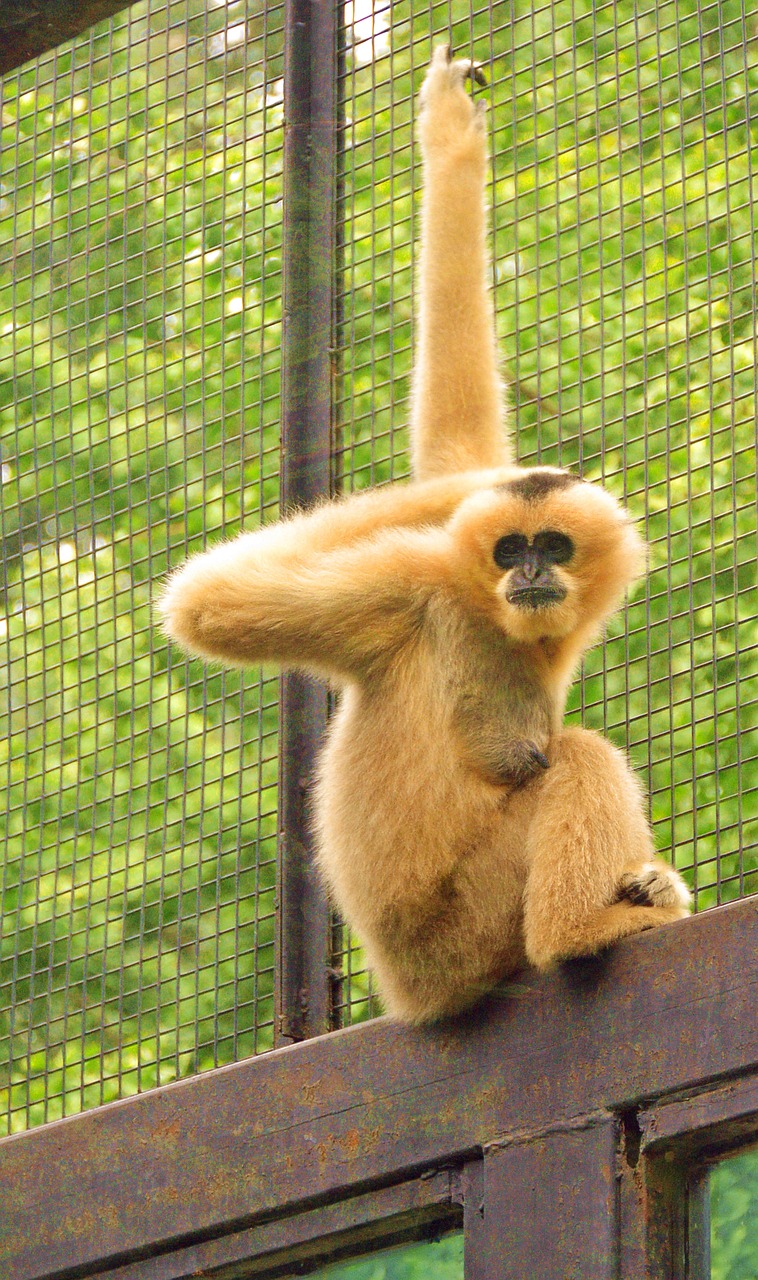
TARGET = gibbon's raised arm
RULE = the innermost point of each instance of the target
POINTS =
(457, 418)
(342, 613)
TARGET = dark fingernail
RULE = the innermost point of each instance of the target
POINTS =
(476, 74)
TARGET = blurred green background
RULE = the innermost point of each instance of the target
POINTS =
(733, 1187)
(140, 310)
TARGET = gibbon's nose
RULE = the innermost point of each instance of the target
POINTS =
(532, 565)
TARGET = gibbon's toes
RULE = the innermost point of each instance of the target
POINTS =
(654, 885)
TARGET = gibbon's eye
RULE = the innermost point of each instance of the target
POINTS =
(510, 550)
(557, 548)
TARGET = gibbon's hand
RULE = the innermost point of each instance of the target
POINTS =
(446, 73)
(521, 761)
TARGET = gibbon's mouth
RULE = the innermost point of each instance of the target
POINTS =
(535, 597)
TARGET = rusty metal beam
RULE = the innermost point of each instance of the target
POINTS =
(670, 1012)
(31, 27)
(412, 1210)
(303, 965)
(561, 1224)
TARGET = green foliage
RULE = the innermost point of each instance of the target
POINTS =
(441, 1259)
(140, 312)
(139, 393)
(734, 1218)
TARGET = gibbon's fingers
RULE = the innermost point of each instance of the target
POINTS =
(457, 409)
(444, 69)
(588, 844)
(474, 72)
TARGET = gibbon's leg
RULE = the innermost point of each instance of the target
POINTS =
(590, 858)
(457, 418)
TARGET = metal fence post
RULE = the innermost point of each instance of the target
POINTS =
(303, 984)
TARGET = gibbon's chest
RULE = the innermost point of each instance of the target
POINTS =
(494, 688)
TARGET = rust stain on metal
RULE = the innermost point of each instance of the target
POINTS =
(351, 1143)
(310, 1091)
(372, 1138)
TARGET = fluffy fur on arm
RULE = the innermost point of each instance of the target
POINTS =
(333, 590)
(339, 614)
(458, 410)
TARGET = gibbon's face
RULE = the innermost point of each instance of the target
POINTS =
(546, 553)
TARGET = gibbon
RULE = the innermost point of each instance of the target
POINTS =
(462, 831)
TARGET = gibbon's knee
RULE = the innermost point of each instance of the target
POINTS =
(591, 780)
(588, 829)
(592, 876)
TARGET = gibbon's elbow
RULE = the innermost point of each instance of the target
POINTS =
(182, 611)
(208, 614)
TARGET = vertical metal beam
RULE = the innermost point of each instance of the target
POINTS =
(303, 993)
(699, 1224)
(548, 1207)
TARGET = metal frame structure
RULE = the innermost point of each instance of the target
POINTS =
(565, 1126)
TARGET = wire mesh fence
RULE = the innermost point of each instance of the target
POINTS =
(140, 307)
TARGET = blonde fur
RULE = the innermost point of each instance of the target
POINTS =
(461, 830)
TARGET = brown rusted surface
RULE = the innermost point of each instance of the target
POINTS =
(703, 1124)
(31, 27)
(426, 1206)
(670, 1010)
(561, 1223)
(630, 1175)
(664, 1214)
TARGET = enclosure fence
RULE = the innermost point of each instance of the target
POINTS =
(142, 248)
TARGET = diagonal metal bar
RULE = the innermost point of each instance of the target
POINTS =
(30, 29)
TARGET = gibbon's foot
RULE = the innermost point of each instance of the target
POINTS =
(521, 761)
(654, 884)
(572, 939)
